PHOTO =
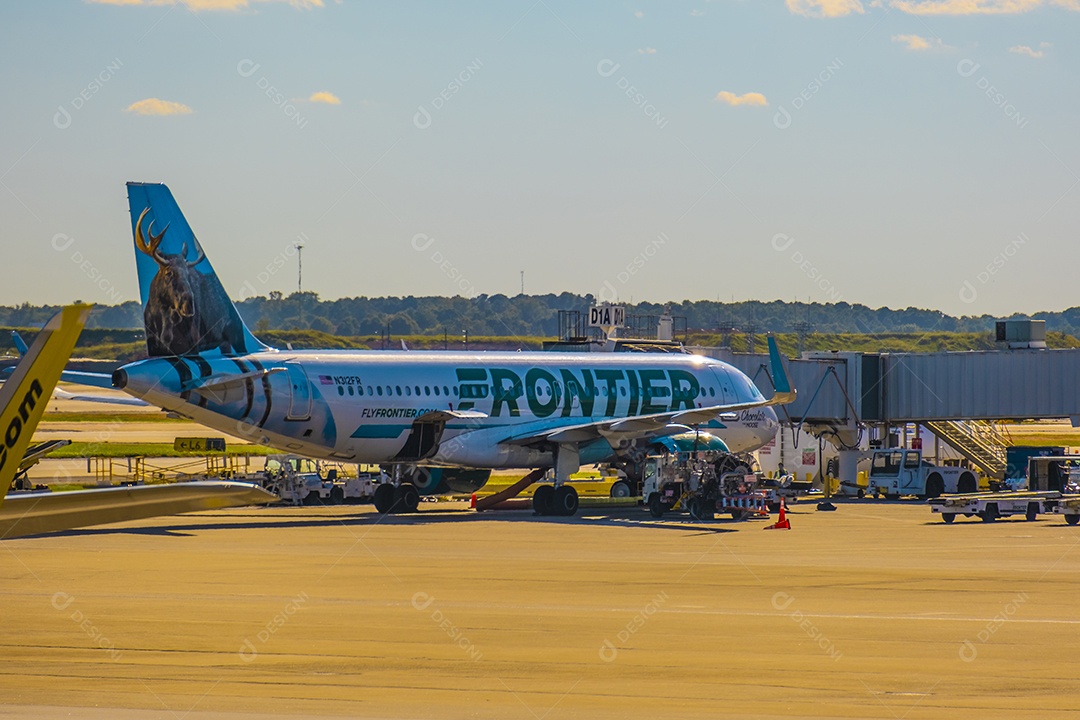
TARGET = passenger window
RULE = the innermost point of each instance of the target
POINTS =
(398, 389)
(427, 389)
(351, 391)
(360, 390)
(436, 389)
(379, 388)
(340, 390)
(418, 391)
(408, 390)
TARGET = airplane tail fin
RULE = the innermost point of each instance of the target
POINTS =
(186, 310)
(25, 395)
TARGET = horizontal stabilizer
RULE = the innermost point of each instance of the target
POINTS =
(35, 513)
(106, 399)
(102, 380)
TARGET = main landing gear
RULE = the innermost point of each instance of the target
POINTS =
(551, 500)
(560, 498)
(403, 498)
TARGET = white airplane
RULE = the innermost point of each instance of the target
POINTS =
(487, 410)
(23, 399)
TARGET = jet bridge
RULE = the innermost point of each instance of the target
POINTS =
(840, 393)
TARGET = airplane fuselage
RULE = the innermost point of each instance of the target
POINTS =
(370, 406)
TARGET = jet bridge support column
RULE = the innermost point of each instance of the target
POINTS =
(846, 442)
(849, 471)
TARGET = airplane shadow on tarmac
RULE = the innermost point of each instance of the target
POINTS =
(284, 518)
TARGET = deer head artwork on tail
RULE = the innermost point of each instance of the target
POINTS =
(186, 311)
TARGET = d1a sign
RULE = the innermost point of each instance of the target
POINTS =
(607, 316)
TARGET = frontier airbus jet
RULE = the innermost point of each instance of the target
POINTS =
(529, 410)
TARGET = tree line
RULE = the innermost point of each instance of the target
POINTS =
(538, 316)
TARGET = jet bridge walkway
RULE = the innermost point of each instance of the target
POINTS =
(954, 394)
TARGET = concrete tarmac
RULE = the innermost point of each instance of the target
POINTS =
(878, 610)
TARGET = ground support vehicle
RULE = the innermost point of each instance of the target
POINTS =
(989, 506)
(896, 471)
(304, 481)
(703, 482)
(1069, 507)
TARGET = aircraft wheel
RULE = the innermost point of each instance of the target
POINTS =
(384, 498)
(990, 514)
(408, 497)
(312, 498)
(948, 517)
(656, 507)
(566, 501)
(543, 500)
(1072, 519)
(620, 489)
(337, 495)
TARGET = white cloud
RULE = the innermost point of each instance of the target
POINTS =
(750, 98)
(1031, 52)
(324, 97)
(840, 8)
(638, 14)
(646, 51)
(978, 7)
(155, 106)
(825, 8)
(917, 42)
(697, 13)
(196, 5)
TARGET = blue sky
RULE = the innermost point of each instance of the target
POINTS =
(888, 153)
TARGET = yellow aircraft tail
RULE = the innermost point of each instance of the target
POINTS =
(25, 395)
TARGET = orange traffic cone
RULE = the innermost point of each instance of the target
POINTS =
(472, 503)
(783, 523)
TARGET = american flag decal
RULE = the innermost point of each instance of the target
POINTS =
(326, 380)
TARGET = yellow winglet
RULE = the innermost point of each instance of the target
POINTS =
(25, 395)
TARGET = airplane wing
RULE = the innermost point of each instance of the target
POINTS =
(23, 399)
(65, 395)
(41, 512)
(657, 424)
(25, 395)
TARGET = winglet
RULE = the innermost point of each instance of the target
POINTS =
(25, 395)
(784, 393)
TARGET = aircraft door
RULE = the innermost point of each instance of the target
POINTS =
(299, 392)
(726, 393)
